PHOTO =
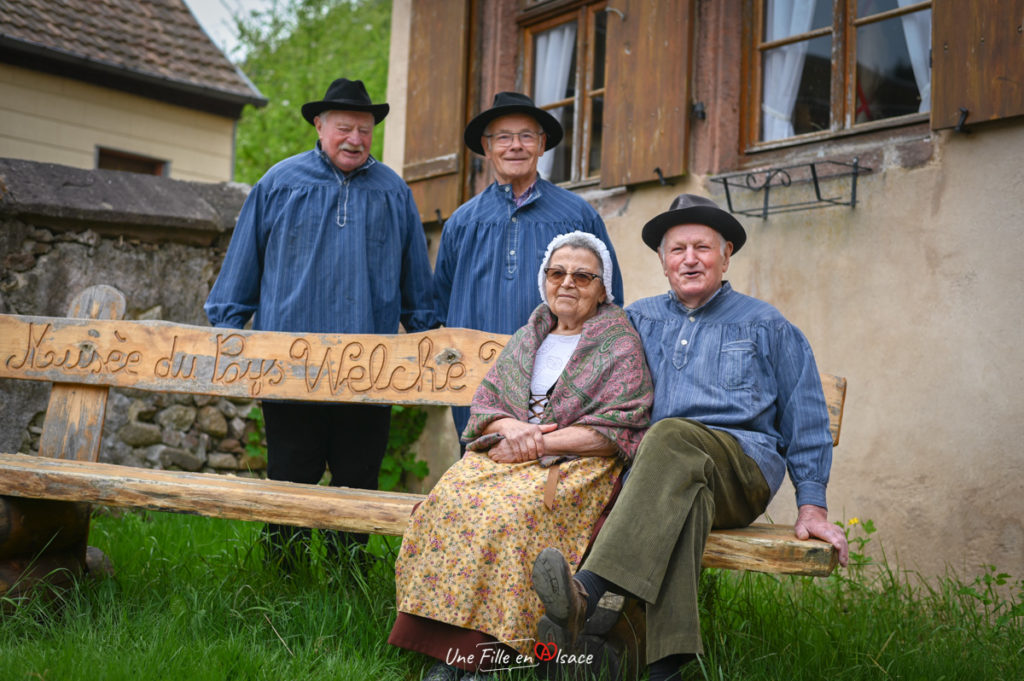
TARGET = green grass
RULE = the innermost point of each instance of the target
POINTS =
(192, 599)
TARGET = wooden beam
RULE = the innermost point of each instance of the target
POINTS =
(766, 548)
(442, 366)
(220, 496)
(29, 526)
(74, 418)
(769, 548)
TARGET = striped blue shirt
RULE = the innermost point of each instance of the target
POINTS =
(318, 251)
(737, 365)
(491, 250)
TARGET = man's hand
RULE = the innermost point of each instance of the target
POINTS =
(812, 521)
(523, 441)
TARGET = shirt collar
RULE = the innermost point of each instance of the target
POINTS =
(718, 295)
(524, 198)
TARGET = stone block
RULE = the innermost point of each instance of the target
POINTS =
(210, 420)
(138, 434)
(223, 461)
(177, 416)
(182, 458)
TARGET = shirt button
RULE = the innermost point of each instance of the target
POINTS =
(514, 218)
(506, 189)
(693, 319)
(511, 252)
(684, 341)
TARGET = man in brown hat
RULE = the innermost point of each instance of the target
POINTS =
(492, 245)
(328, 241)
(737, 403)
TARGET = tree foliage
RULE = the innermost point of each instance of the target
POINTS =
(292, 51)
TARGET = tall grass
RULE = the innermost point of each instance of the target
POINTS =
(193, 599)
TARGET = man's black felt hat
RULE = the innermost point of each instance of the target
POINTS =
(506, 103)
(345, 95)
(688, 209)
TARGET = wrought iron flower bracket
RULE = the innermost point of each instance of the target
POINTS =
(813, 172)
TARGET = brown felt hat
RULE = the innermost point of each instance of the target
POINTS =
(689, 209)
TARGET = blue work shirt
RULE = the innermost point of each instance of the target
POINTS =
(491, 251)
(735, 364)
(319, 251)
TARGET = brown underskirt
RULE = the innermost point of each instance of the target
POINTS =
(440, 640)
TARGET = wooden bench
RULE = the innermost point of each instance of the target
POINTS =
(92, 350)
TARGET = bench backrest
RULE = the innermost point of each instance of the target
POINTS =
(439, 367)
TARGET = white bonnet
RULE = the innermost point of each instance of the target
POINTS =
(579, 240)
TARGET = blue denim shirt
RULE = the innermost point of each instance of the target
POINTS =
(736, 364)
(491, 250)
(319, 251)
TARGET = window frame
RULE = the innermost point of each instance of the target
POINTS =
(130, 162)
(842, 100)
(583, 12)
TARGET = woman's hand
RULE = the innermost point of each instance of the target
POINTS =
(523, 441)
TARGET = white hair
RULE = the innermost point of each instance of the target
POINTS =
(585, 240)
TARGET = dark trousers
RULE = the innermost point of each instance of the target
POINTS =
(305, 439)
(460, 417)
(686, 479)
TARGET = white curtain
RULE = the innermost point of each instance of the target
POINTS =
(783, 66)
(553, 52)
(917, 29)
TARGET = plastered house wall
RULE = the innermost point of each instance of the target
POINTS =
(916, 296)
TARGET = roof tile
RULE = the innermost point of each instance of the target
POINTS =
(157, 38)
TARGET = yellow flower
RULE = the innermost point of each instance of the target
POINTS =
(854, 521)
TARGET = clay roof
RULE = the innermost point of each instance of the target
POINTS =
(156, 42)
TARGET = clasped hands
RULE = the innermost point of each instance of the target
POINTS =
(522, 441)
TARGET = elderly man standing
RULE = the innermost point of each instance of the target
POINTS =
(492, 245)
(737, 402)
(328, 241)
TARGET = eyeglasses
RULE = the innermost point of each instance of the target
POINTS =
(527, 138)
(556, 275)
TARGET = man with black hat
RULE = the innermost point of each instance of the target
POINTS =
(328, 241)
(492, 245)
(737, 402)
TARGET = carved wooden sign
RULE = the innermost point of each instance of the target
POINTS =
(443, 366)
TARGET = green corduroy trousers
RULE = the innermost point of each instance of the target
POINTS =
(686, 480)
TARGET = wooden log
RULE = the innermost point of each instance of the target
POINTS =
(31, 526)
(835, 398)
(44, 574)
(767, 548)
(208, 494)
(74, 417)
(442, 366)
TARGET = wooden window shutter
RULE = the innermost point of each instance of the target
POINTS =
(647, 96)
(434, 118)
(977, 61)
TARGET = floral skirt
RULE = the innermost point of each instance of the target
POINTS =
(468, 552)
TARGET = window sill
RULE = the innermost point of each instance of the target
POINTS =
(908, 126)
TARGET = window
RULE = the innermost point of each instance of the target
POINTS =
(824, 66)
(565, 63)
(109, 159)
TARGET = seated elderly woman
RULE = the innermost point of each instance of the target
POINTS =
(551, 426)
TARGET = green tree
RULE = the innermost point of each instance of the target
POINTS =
(291, 52)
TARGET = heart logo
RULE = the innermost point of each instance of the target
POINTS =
(545, 652)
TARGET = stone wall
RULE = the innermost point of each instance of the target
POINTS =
(160, 242)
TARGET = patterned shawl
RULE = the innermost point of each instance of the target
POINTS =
(605, 386)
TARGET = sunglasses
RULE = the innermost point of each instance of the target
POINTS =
(556, 275)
